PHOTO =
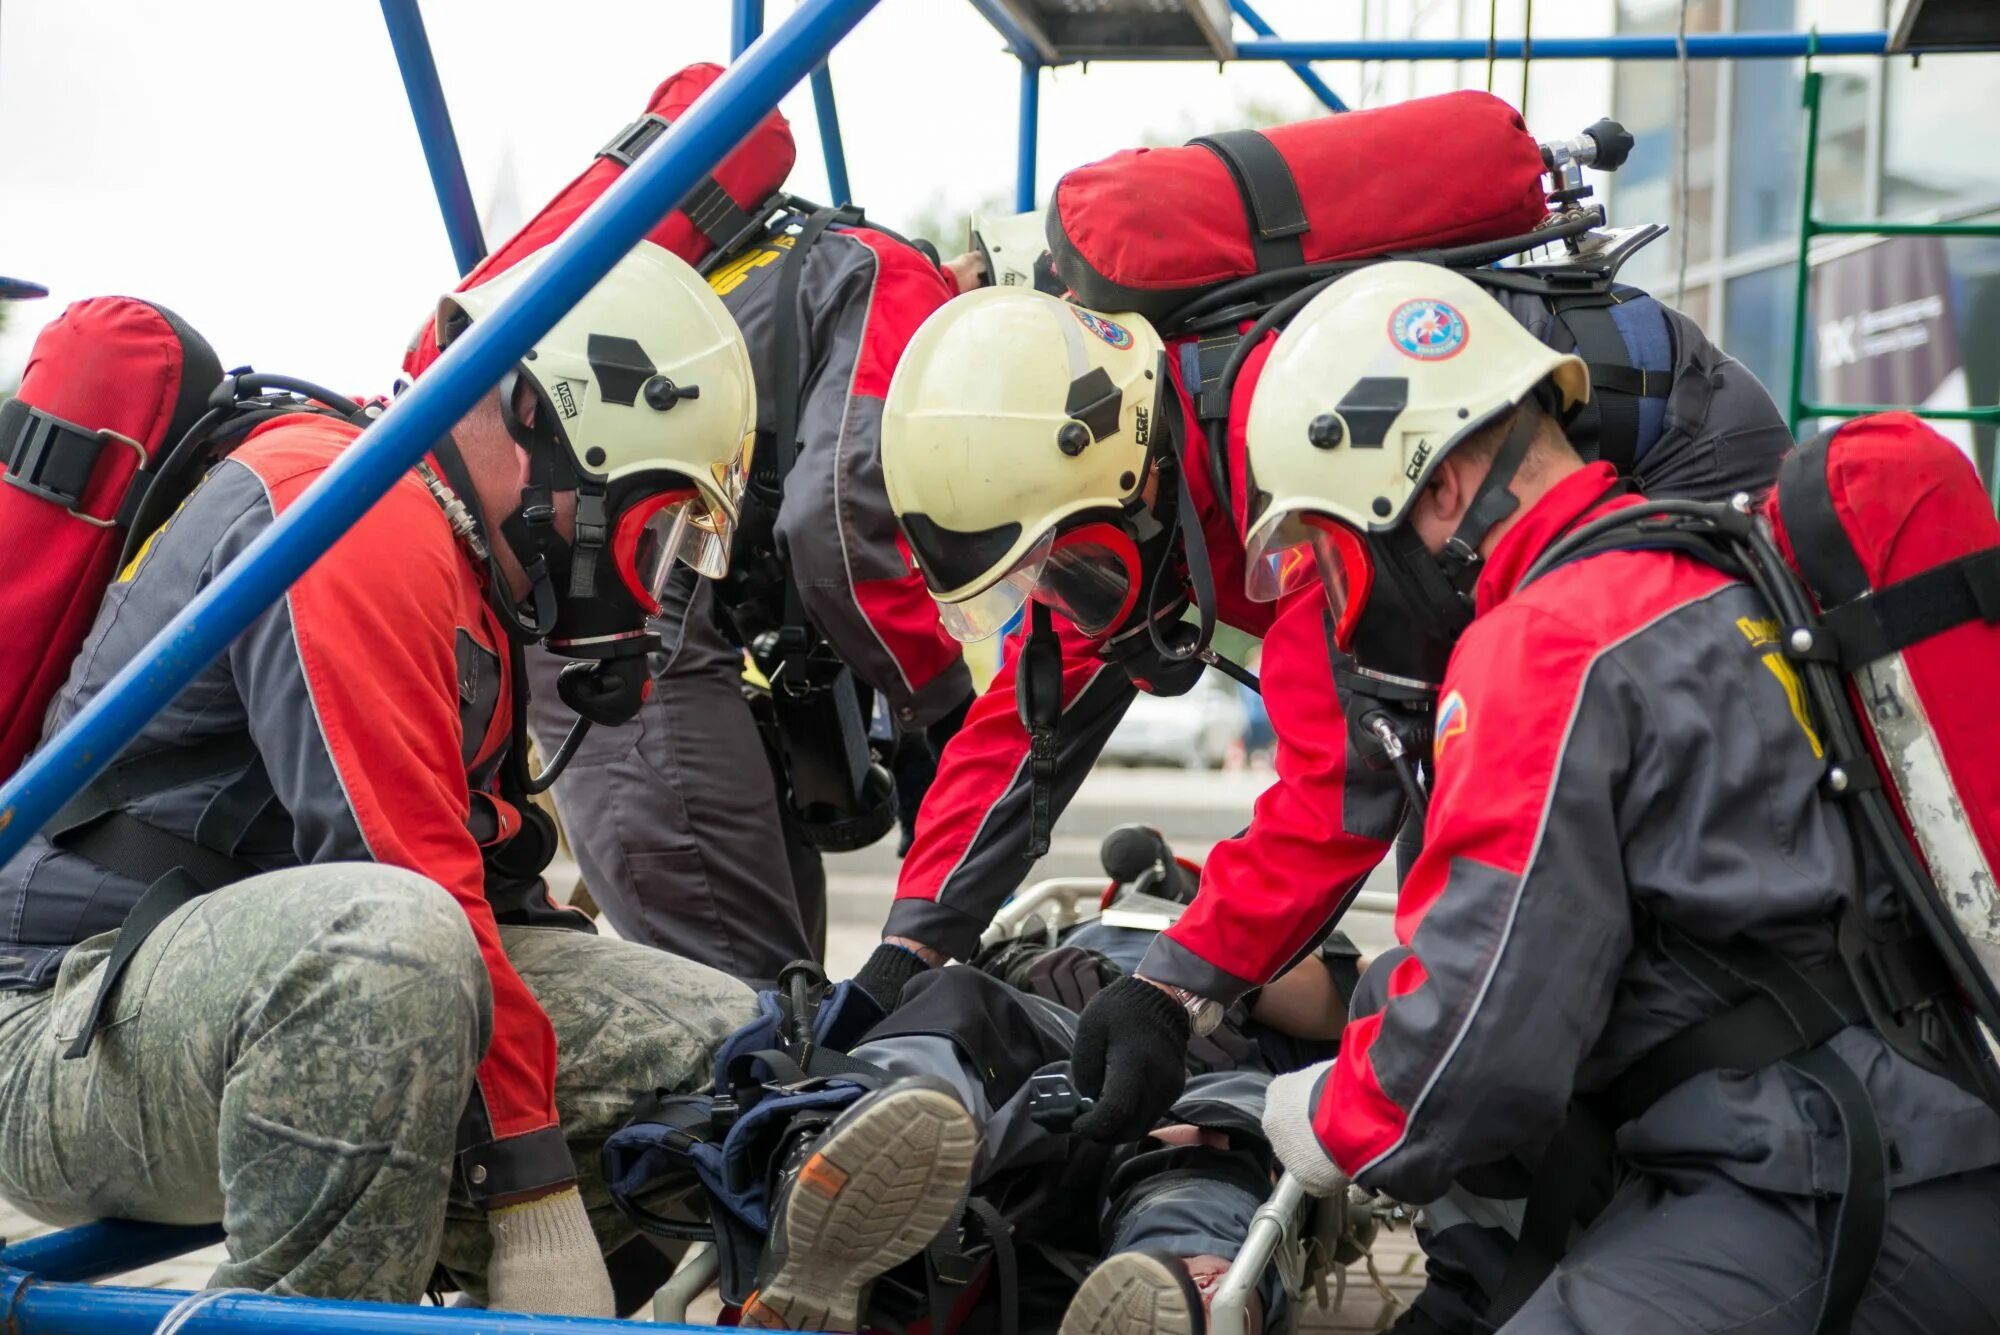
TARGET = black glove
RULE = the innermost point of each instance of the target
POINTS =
(883, 976)
(1131, 1057)
(1067, 975)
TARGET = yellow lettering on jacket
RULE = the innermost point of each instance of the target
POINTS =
(732, 275)
(1761, 631)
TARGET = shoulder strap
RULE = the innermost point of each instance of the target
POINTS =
(1616, 385)
(1270, 195)
(708, 206)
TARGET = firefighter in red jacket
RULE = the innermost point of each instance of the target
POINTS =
(1028, 446)
(288, 965)
(675, 819)
(1628, 837)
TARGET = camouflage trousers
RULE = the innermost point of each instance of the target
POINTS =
(290, 1056)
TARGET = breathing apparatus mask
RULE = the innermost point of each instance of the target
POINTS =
(642, 414)
(1377, 380)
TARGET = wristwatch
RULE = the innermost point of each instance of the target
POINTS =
(1204, 1013)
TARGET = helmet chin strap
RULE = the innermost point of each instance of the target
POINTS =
(525, 623)
(1491, 503)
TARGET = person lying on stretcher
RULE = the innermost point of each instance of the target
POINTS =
(928, 1172)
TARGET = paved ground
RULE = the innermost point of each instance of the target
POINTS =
(1194, 810)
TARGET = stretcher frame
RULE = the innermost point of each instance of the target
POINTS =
(45, 1284)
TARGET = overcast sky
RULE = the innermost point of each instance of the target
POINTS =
(252, 163)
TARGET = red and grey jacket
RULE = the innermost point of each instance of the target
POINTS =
(862, 294)
(376, 695)
(1266, 894)
(1621, 751)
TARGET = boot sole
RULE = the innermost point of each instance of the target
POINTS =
(1133, 1294)
(874, 1194)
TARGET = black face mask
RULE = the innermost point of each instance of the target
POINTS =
(1420, 603)
(1414, 614)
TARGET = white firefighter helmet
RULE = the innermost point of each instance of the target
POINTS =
(646, 377)
(1018, 431)
(1015, 248)
(1377, 379)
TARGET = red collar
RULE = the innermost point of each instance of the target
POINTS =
(1574, 498)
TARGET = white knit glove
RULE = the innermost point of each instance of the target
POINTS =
(1288, 1114)
(545, 1259)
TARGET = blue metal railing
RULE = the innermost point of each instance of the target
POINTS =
(746, 25)
(1029, 134)
(390, 447)
(420, 81)
(1628, 46)
(1318, 86)
(830, 145)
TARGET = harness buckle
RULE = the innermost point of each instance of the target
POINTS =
(55, 459)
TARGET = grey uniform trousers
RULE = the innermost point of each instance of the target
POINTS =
(674, 817)
(1704, 1253)
(291, 1055)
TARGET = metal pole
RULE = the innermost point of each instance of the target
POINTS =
(420, 81)
(1312, 81)
(1270, 1228)
(29, 1307)
(830, 145)
(1809, 173)
(746, 25)
(391, 446)
(108, 1247)
(1031, 128)
(1626, 46)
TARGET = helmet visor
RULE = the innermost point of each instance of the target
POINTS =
(1088, 576)
(1331, 554)
(988, 612)
(668, 529)
(1091, 577)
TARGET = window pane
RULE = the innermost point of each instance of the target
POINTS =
(1758, 329)
(1932, 157)
(1646, 101)
(1765, 138)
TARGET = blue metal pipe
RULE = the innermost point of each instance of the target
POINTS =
(830, 144)
(1318, 86)
(391, 446)
(108, 1247)
(1030, 133)
(420, 81)
(35, 1308)
(1701, 46)
(746, 25)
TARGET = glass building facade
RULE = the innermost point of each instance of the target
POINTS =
(1905, 320)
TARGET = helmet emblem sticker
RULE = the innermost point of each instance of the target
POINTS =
(1117, 335)
(1427, 330)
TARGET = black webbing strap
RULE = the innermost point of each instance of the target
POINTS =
(708, 206)
(1787, 1016)
(1616, 386)
(174, 868)
(1038, 694)
(949, 1269)
(1270, 196)
(823, 1064)
(1572, 1183)
(1894, 618)
(162, 897)
(129, 781)
(46, 455)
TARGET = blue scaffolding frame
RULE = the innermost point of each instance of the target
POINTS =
(44, 1287)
